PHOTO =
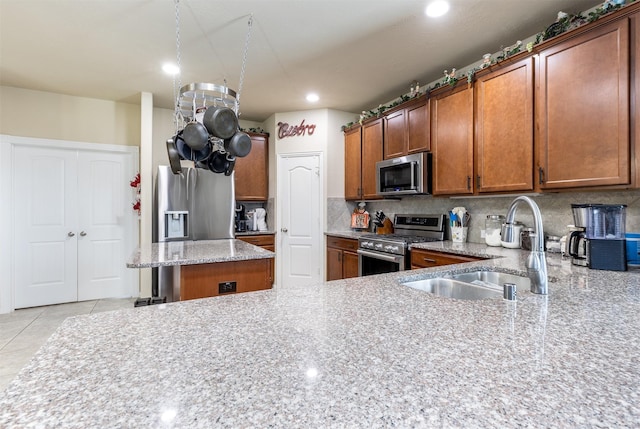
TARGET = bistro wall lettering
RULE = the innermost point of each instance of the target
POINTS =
(286, 130)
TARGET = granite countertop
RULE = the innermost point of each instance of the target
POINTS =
(172, 253)
(364, 353)
(348, 234)
(245, 233)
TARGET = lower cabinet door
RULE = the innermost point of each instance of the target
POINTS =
(334, 264)
(349, 265)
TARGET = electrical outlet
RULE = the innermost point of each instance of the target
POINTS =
(226, 287)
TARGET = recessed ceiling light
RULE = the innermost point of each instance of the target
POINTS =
(170, 69)
(312, 98)
(437, 8)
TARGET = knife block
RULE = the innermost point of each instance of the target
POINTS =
(386, 228)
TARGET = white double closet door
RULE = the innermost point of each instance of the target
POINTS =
(73, 225)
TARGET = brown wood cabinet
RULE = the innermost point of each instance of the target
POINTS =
(342, 258)
(252, 172)
(363, 148)
(207, 280)
(421, 258)
(452, 141)
(266, 241)
(353, 163)
(406, 129)
(504, 153)
(371, 153)
(582, 109)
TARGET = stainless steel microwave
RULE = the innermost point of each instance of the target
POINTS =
(405, 175)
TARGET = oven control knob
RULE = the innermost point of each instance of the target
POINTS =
(378, 246)
(391, 248)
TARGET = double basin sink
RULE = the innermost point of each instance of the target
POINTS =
(473, 285)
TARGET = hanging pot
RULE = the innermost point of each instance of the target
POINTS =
(221, 122)
(187, 153)
(174, 156)
(217, 162)
(238, 145)
(195, 135)
(220, 163)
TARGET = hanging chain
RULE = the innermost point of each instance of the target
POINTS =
(177, 81)
(244, 58)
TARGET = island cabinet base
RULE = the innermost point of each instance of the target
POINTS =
(207, 280)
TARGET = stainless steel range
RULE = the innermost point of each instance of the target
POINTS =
(385, 253)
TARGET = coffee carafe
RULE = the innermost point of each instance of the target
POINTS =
(577, 243)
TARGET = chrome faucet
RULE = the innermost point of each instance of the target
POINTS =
(536, 263)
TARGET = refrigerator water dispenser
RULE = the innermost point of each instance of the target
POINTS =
(175, 223)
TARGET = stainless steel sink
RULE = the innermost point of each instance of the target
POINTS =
(470, 286)
(493, 279)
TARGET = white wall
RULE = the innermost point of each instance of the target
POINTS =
(28, 113)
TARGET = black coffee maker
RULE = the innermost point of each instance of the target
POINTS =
(240, 218)
(600, 244)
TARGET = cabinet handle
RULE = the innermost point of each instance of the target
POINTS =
(71, 234)
(478, 181)
(540, 175)
(340, 257)
(82, 233)
(469, 182)
(433, 261)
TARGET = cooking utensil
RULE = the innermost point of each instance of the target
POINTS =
(238, 145)
(195, 135)
(220, 121)
(174, 156)
(190, 154)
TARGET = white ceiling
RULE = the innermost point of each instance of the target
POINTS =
(355, 54)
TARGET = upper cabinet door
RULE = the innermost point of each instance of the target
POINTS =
(251, 173)
(395, 135)
(452, 142)
(504, 129)
(418, 136)
(582, 110)
(353, 163)
(371, 153)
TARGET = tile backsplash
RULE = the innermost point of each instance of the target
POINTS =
(555, 209)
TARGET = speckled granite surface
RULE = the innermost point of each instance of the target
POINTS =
(245, 233)
(363, 353)
(195, 252)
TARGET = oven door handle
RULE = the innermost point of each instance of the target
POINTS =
(384, 257)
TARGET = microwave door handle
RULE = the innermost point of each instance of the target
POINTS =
(413, 176)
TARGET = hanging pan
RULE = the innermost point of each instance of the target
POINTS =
(238, 145)
(220, 121)
(195, 135)
(187, 153)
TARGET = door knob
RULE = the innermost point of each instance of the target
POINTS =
(70, 234)
(82, 233)
(284, 229)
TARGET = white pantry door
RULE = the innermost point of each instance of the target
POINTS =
(300, 220)
(45, 213)
(103, 210)
(73, 217)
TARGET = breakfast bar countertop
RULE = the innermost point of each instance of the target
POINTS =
(171, 253)
(364, 353)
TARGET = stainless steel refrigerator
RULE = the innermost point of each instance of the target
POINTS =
(196, 204)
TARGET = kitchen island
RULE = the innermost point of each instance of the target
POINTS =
(207, 268)
(362, 352)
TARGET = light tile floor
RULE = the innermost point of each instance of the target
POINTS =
(24, 331)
